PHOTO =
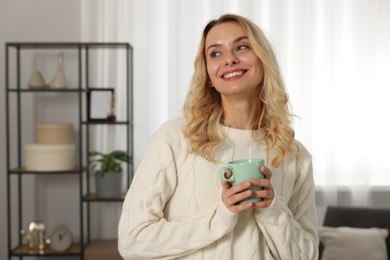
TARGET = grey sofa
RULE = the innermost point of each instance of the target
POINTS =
(358, 217)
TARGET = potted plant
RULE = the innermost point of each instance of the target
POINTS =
(107, 168)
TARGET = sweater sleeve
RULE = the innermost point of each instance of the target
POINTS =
(144, 231)
(290, 227)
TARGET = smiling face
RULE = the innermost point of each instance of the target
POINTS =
(232, 65)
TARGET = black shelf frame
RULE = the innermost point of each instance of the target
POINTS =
(18, 171)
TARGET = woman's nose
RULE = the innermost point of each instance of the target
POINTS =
(232, 59)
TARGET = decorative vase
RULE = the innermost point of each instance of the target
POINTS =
(108, 185)
(36, 81)
(59, 81)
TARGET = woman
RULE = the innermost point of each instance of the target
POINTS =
(237, 107)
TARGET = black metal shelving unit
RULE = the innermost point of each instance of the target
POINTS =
(15, 169)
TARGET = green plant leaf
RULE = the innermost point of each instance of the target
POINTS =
(102, 163)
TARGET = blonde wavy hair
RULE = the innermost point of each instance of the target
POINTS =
(203, 111)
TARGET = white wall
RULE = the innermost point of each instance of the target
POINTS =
(29, 21)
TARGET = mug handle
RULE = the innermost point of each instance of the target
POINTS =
(222, 174)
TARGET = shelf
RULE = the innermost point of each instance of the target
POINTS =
(102, 250)
(23, 170)
(24, 250)
(105, 122)
(87, 64)
(67, 45)
(91, 197)
(72, 89)
(46, 90)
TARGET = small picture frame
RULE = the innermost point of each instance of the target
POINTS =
(100, 104)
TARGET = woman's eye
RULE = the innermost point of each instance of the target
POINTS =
(214, 54)
(242, 47)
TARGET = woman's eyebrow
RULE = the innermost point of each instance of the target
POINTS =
(235, 41)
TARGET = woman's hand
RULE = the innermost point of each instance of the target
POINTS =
(233, 194)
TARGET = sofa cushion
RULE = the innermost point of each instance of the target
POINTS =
(353, 243)
(358, 217)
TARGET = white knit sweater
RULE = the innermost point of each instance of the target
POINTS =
(174, 210)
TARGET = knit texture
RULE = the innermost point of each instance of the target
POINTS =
(174, 209)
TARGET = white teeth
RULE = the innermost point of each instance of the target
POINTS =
(233, 74)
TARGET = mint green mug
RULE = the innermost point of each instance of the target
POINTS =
(243, 170)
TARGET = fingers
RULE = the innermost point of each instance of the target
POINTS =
(237, 208)
(267, 192)
(233, 194)
(263, 183)
(226, 185)
(228, 173)
(229, 190)
(266, 172)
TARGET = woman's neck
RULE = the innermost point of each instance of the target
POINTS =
(241, 115)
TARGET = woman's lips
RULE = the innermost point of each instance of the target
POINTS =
(232, 74)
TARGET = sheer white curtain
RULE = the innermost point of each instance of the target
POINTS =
(334, 56)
